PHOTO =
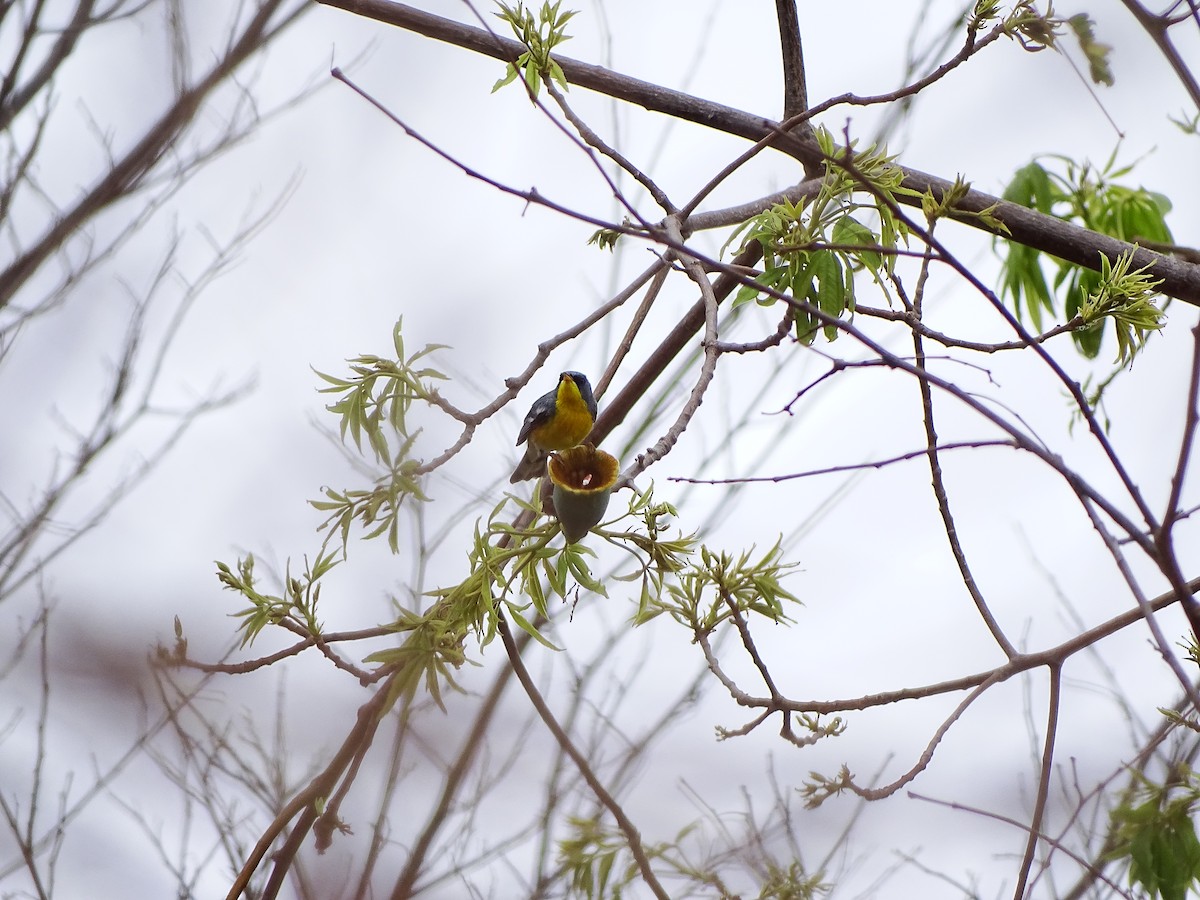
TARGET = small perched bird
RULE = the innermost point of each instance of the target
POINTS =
(558, 420)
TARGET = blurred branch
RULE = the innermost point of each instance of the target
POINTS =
(131, 170)
(306, 807)
(127, 402)
(602, 794)
(1158, 27)
(1084, 863)
(405, 884)
(15, 97)
(102, 781)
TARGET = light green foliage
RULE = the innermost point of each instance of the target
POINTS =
(506, 566)
(946, 204)
(599, 865)
(540, 36)
(1158, 837)
(605, 238)
(813, 249)
(723, 586)
(376, 401)
(657, 557)
(299, 603)
(984, 12)
(433, 648)
(1094, 199)
(1033, 30)
(820, 788)
(1127, 298)
(598, 860)
(1186, 125)
(518, 571)
(523, 568)
(791, 883)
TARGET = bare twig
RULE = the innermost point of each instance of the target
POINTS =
(632, 837)
(938, 482)
(1043, 794)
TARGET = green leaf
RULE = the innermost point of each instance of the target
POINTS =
(1031, 187)
(848, 230)
(574, 555)
(831, 288)
(1158, 838)
(1022, 280)
(528, 628)
(510, 75)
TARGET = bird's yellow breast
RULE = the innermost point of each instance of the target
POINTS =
(570, 424)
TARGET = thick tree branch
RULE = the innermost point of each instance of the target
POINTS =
(795, 86)
(1180, 279)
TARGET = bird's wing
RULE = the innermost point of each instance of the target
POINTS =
(541, 411)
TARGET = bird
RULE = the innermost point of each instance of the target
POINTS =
(558, 420)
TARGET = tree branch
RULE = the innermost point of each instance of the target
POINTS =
(1180, 279)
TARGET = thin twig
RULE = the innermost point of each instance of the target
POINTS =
(938, 482)
(632, 837)
(1023, 662)
(1047, 770)
(847, 467)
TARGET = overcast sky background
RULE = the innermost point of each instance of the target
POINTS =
(376, 227)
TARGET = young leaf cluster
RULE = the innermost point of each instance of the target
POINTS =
(540, 36)
(1187, 126)
(597, 859)
(946, 203)
(1033, 30)
(430, 653)
(520, 569)
(524, 568)
(605, 239)
(820, 788)
(375, 403)
(505, 564)
(599, 865)
(1127, 298)
(1158, 838)
(791, 883)
(1095, 200)
(721, 586)
(658, 558)
(812, 250)
(299, 602)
